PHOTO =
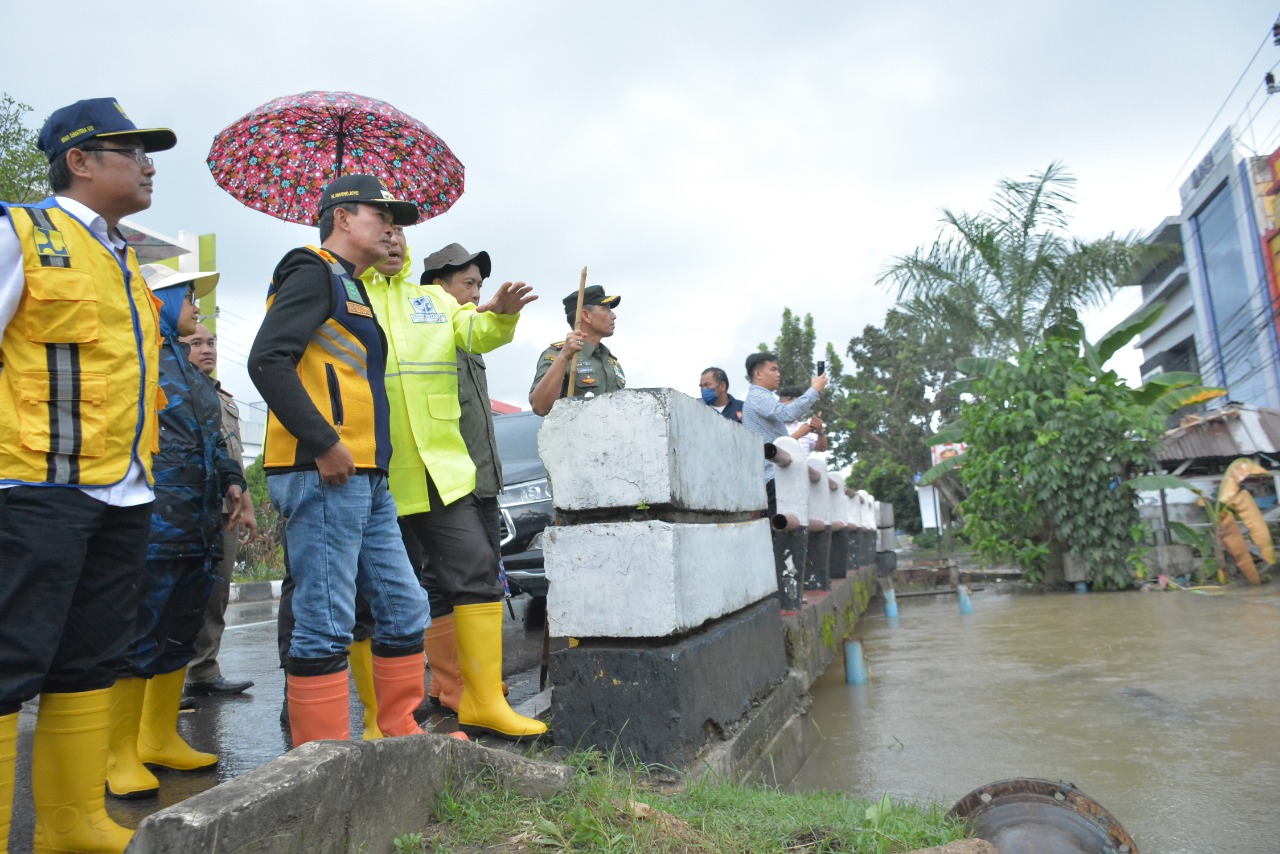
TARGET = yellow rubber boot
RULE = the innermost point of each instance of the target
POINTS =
(127, 777)
(68, 765)
(8, 760)
(360, 660)
(158, 740)
(478, 629)
(442, 659)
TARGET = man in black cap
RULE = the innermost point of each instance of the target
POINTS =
(79, 343)
(597, 370)
(319, 361)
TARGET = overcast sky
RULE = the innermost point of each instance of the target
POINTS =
(711, 162)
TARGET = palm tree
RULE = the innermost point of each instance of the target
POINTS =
(1002, 278)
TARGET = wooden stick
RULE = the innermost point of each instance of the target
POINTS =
(577, 325)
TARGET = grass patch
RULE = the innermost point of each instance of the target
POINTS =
(617, 808)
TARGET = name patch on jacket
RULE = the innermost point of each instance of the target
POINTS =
(423, 310)
(358, 308)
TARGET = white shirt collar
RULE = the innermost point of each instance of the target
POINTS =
(94, 220)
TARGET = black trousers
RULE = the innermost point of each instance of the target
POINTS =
(71, 570)
(461, 563)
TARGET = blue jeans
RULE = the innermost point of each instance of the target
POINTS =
(342, 539)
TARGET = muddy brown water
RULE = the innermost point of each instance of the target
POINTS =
(1162, 706)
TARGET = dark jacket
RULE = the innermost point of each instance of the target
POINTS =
(193, 468)
(320, 342)
(733, 409)
(477, 423)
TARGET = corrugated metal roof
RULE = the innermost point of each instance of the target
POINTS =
(1235, 431)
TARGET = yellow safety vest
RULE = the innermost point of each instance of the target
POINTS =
(424, 326)
(79, 389)
(341, 371)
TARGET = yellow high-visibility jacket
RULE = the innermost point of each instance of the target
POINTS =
(79, 387)
(424, 325)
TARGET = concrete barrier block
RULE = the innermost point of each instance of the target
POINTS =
(655, 447)
(819, 495)
(653, 579)
(791, 482)
(664, 703)
(884, 514)
(866, 511)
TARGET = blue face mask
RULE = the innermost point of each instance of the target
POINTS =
(709, 396)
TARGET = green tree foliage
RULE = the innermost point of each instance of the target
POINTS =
(795, 347)
(24, 172)
(999, 279)
(1054, 443)
(882, 411)
(263, 557)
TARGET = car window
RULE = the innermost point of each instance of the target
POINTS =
(517, 437)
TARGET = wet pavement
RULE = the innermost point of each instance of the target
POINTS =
(1163, 707)
(244, 730)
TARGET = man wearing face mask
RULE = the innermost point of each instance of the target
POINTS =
(715, 393)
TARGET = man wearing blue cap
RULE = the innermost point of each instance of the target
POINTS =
(79, 341)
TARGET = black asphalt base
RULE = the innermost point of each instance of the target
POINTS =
(663, 702)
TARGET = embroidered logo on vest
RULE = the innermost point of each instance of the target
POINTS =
(50, 242)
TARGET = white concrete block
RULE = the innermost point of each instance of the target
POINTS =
(653, 579)
(842, 507)
(867, 512)
(651, 447)
(791, 482)
(884, 514)
(819, 495)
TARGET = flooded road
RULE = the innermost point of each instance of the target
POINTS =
(1163, 707)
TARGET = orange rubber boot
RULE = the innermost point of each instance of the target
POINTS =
(398, 684)
(319, 707)
(442, 658)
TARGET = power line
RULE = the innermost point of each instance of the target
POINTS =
(1196, 146)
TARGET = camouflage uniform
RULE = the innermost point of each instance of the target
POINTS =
(598, 370)
(193, 471)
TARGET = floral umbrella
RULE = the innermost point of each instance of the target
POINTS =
(279, 157)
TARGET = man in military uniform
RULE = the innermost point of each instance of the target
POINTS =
(597, 369)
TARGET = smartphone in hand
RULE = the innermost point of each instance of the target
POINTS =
(822, 367)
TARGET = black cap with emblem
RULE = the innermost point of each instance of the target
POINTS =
(592, 295)
(367, 189)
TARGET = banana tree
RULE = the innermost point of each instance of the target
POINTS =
(1235, 506)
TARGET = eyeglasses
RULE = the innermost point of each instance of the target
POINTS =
(191, 294)
(138, 155)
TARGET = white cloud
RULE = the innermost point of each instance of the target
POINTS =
(712, 162)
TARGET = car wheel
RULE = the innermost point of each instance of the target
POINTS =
(535, 615)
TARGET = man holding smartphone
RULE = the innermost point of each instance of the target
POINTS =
(766, 416)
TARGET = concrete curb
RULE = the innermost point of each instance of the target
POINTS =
(337, 796)
(254, 591)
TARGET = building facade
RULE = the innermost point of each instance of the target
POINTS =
(1218, 280)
